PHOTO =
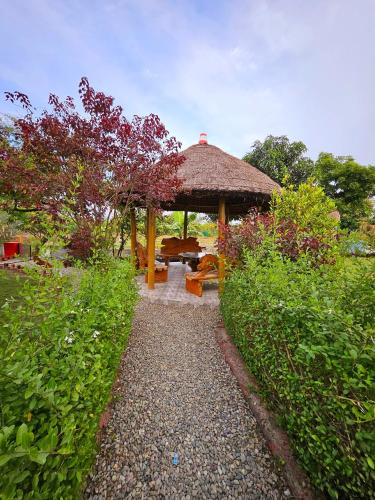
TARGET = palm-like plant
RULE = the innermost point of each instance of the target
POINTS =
(174, 224)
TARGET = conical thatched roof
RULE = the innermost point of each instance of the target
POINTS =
(209, 173)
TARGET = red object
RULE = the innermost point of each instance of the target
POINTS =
(203, 138)
(11, 249)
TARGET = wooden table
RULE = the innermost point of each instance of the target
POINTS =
(192, 258)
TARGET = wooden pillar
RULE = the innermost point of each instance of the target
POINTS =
(133, 234)
(221, 220)
(186, 219)
(146, 230)
(151, 248)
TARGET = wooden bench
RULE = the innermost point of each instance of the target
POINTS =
(172, 247)
(161, 271)
(207, 270)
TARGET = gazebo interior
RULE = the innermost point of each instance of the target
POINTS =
(213, 182)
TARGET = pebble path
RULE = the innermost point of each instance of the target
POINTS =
(180, 427)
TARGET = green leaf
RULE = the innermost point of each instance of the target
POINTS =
(370, 463)
(6, 457)
(24, 438)
(21, 476)
(38, 457)
(8, 431)
(35, 481)
(49, 442)
(353, 353)
(29, 392)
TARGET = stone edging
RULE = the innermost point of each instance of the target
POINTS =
(276, 439)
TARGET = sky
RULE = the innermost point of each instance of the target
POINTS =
(236, 69)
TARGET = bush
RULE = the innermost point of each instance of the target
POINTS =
(60, 349)
(307, 335)
(299, 223)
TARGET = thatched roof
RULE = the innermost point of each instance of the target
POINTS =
(209, 173)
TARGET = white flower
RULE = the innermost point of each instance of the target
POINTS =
(69, 338)
(95, 334)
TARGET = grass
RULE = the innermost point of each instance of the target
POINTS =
(10, 287)
(10, 284)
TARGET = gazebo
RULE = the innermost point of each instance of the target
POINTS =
(213, 182)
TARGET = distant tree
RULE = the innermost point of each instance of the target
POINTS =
(279, 158)
(349, 184)
(174, 224)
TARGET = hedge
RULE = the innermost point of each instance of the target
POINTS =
(308, 336)
(59, 352)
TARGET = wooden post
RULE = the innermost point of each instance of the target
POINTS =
(186, 218)
(151, 248)
(221, 220)
(133, 234)
(146, 231)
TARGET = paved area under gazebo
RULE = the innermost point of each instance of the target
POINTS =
(173, 291)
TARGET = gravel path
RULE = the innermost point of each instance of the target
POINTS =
(178, 401)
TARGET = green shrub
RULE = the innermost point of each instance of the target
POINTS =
(308, 207)
(308, 335)
(299, 223)
(60, 349)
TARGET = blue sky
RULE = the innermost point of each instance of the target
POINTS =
(236, 69)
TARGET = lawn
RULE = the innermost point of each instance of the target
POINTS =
(10, 285)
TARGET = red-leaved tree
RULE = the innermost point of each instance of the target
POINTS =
(287, 237)
(85, 170)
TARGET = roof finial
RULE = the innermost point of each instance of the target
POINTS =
(203, 138)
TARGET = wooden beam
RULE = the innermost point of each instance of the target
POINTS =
(186, 219)
(151, 248)
(221, 220)
(133, 234)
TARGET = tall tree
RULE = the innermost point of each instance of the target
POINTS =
(279, 158)
(349, 184)
(85, 170)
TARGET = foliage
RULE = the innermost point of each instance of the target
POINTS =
(367, 232)
(279, 158)
(209, 228)
(308, 207)
(83, 170)
(298, 223)
(8, 229)
(59, 350)
(248, 235)
(358, 243)
(349, 184)
(10, 286)
(307, 335)
(173, 224)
